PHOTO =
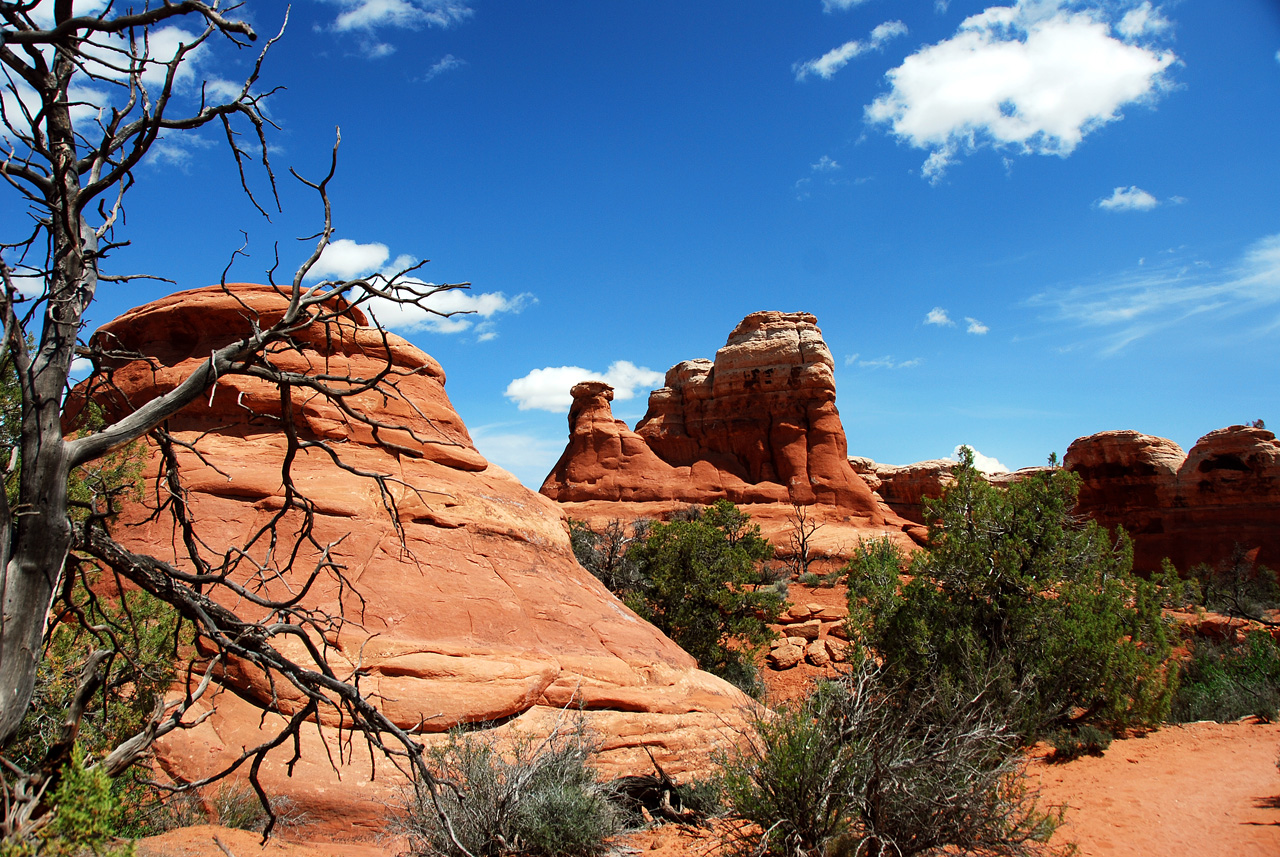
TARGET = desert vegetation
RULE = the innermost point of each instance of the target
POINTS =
(533, 796)
(704, 579)
(864, 765)
(1017, 598)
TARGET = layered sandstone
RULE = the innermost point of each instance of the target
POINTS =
(462, 603)
(1193, 507)
(905, 488)
(757, 426)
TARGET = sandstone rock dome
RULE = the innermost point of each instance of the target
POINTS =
(474, 612)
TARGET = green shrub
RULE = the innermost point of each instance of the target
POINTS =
(1017, 592)
(1238, 586)
(1225, 682)
(706, 584)
(863, 768)
(536, 798)
(1084, 740)
(84, 823)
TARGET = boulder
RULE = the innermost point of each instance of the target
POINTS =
(816, 654)
(806, 630)
(462, 601)
(837, 650)
(785, 657)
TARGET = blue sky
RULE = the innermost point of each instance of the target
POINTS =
(1017, 224)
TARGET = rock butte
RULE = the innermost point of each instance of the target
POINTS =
(479, 614)
(757, 426)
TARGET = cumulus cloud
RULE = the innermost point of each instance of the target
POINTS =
(939, 316)
(1035, 77)
(1159, 296)
(983, 463)
(449, 311)
(452, 311)
(825, 164)
(975, 326)
(404, 14)
(835, 59)
(1143, 21)
(548, 389)
(1130, 198)
(344, 259)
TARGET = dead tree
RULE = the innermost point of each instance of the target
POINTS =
(71, 164)
(800, 539)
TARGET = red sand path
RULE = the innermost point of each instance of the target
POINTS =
(1184, 791)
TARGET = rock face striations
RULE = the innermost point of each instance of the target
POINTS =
(1193, 507)
(467, 608)
(757, 426)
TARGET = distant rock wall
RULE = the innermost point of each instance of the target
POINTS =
(475, 611)
(1193, 507)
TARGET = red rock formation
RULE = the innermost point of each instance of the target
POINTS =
(758, 426)
(905, 488)
(1191, 508)
(477, 612)
(764, 412)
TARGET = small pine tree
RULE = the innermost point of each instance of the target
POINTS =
(703, 584)
(1014, 586)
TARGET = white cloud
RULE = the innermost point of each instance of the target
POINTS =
(830, 6)
(370, 15)
(939, 316)
(975, 326)
(1035, 77)
(344, 259)
(548, 389)
(1130, 198)
(29, 282)
(835, 59)
(1143, 21)
(461, 308)
(982, 463)
(1163, 295)
(446, 63)
(825, 164)
(886, 362)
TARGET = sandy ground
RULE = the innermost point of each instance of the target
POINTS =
(1200, 789)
